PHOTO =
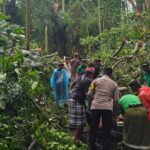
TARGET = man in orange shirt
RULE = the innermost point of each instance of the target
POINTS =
(143, 93)
(136, 130)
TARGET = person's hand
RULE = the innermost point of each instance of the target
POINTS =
(119, 118)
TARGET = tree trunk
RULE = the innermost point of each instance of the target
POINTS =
(55, 7)
(147, 3)
(9, 8)
(139, 6)
(132, 2)
(99, 16)
(63, 6)
(4, 7)
(13, 11)
(27, 30)
(126, 8)
(46, 39)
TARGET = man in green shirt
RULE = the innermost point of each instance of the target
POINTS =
(146, 69)
(81, 67)
(136, 127)
(128, 100)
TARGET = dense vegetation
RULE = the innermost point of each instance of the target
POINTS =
(106, 29)
(29, 118)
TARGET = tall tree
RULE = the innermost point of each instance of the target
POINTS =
(63, 6)
(9, 8)
(99, 16)
(138, 5)
(1, 1)
(40, 16)
(147, 3)
(46, 38)
(55, 7)
(27, 27)
(133, 3)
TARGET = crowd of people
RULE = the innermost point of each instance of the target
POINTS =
(100, 94)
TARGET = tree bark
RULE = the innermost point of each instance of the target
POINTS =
(13, 11)
(63, 6)
(4, 6)
(55, 7)
(46, 38)
(139, 7)
(147, 3)
(126, 8)
(27, 30)
(9, 8)
(99, 17)
(121, 47)
(132, 2)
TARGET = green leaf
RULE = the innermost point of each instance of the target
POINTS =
(2, 97)
(34, 85)
(2, 105)
(17, 71)
(2, 77)
(18, 30)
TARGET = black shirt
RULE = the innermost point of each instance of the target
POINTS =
(80, 88)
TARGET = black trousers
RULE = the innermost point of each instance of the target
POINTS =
(107, 125)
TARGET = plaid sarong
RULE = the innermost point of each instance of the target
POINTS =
(136, 130)
(77, 115)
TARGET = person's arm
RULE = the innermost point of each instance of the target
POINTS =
(141, 79)
(116, 96)
(71, 62)
(52, 80)
(78, 70)
(74, 82)
(145, 99)
(121, 110)
(91, 88)
(86, 85)
(66, 81)
(91, 93)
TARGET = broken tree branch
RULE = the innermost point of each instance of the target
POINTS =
(31, 145)
(121, 47)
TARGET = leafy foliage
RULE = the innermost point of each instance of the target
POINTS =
(132, 38)
(10, 34)
(28, 114)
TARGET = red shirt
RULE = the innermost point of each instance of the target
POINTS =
(144, 95)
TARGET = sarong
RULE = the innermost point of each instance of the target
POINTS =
(136, 130)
